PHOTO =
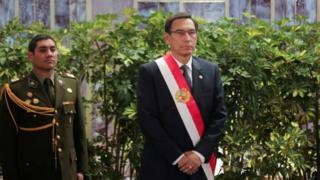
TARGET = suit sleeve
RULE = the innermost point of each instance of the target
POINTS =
(8, 132)
(80, 135)
(149, 118)
(214, 130)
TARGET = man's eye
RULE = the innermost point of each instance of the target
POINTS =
(42, 50)
(192, 32)
(180, 32)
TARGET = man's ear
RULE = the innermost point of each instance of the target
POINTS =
(166, 37)
(30, 55)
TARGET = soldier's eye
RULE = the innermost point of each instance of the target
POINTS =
(42, 50)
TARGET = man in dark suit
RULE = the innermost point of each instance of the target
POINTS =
(181, 108)
(42, 132)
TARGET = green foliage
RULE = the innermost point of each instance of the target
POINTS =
(14, 39)
(13, 51)
(270, 74)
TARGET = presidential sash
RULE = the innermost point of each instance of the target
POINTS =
(186, 105)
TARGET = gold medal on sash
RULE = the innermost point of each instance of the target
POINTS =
(183, 95)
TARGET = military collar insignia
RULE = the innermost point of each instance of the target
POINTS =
(60, 80)
(33, 83)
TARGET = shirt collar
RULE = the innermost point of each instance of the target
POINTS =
(41, 79)
(189, 63)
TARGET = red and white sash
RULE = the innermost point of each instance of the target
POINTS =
(186, 105)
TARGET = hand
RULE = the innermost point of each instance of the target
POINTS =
(189, 163)
(79, 176)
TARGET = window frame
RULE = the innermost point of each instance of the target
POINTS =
(181, 2)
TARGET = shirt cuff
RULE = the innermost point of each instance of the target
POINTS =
(178, 159)
(199, 155)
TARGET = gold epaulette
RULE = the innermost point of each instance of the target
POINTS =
(39, 128)
(49, 111)
(46, 111)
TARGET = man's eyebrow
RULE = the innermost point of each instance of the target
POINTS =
(43, 47)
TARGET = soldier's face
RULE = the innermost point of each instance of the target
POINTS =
(44, 57)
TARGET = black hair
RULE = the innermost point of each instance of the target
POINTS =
(33, 43)
(180, 15)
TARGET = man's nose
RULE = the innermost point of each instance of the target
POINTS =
(187, 36)
(50, 53)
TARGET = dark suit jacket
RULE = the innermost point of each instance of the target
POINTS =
(166, 138)
(29, 155)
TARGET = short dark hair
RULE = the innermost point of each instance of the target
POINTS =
(180, 15)
(33, 43)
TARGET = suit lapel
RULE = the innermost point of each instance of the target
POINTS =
(59, 89)
(197, 79)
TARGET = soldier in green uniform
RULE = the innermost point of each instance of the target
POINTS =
(42, 132)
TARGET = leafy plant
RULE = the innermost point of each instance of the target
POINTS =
(270, 73)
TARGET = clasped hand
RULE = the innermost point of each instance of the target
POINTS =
(189, 163)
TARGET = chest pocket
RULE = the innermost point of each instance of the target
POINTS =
(69, 111)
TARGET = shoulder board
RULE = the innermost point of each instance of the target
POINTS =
(67, 75)
(14, 81)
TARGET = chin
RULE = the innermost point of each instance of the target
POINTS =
(49, 68)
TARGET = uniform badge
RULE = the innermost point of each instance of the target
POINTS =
(183, 95)
(35, 101)
(29, 94)
(28, 101)
(69, 90)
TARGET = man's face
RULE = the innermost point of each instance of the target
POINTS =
(183, 37)
(44, 57)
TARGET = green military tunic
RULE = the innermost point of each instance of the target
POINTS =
(40, 140)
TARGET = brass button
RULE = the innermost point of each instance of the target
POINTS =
(56, 111)
(58, 136)
(34, 115)
(57, 123)
(59, 150)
